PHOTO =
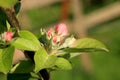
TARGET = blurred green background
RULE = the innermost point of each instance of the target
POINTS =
(105, 66)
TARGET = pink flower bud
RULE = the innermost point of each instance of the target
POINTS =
(61, 29)
(56, 39)
(50, 33)
(8, 36)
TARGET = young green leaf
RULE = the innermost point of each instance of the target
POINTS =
(25, 66)
(87, 45)
(6, 57)
(25, 44)
(30, 36)
(15, 76)
(63, 64)
(17, 7)
(3, 76)
(76, 50)
(7, 3)
(91, 44)
(1, 51)
(43, 60)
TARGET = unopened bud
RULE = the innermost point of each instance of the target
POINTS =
(50, 33)
(61, 29)
(56, 39)
(8, 36)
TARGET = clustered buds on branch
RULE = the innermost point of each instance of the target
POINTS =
(6, 36)
(61, 29)
(56, 38)
(58, 32)
(50, 33)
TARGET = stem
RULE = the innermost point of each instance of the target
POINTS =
(44, 73)
(11, 16)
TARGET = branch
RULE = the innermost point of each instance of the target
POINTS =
(11, 16)
(102, 15)
(78, 28)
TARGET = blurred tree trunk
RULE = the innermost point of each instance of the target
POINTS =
(65, 10)
(79, 24)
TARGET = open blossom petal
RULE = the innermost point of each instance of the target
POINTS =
(61, 29)
(8, 36)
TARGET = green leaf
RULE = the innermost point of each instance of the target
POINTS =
(25, 66)
(25, 44)
(89, 43)
(7, 3)
(34, 76)
(1, 51)
(76, 50)
(43, 60)
(15, 76)
(63, 64)
(28, 35)
(17, 7)
(85, 45)
(6, 57)
(3, 76)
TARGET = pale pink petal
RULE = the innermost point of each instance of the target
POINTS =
(61, 29)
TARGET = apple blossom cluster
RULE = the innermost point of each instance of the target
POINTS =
(58, 33)
(6, 36)
(60, 37)
(56, 38)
